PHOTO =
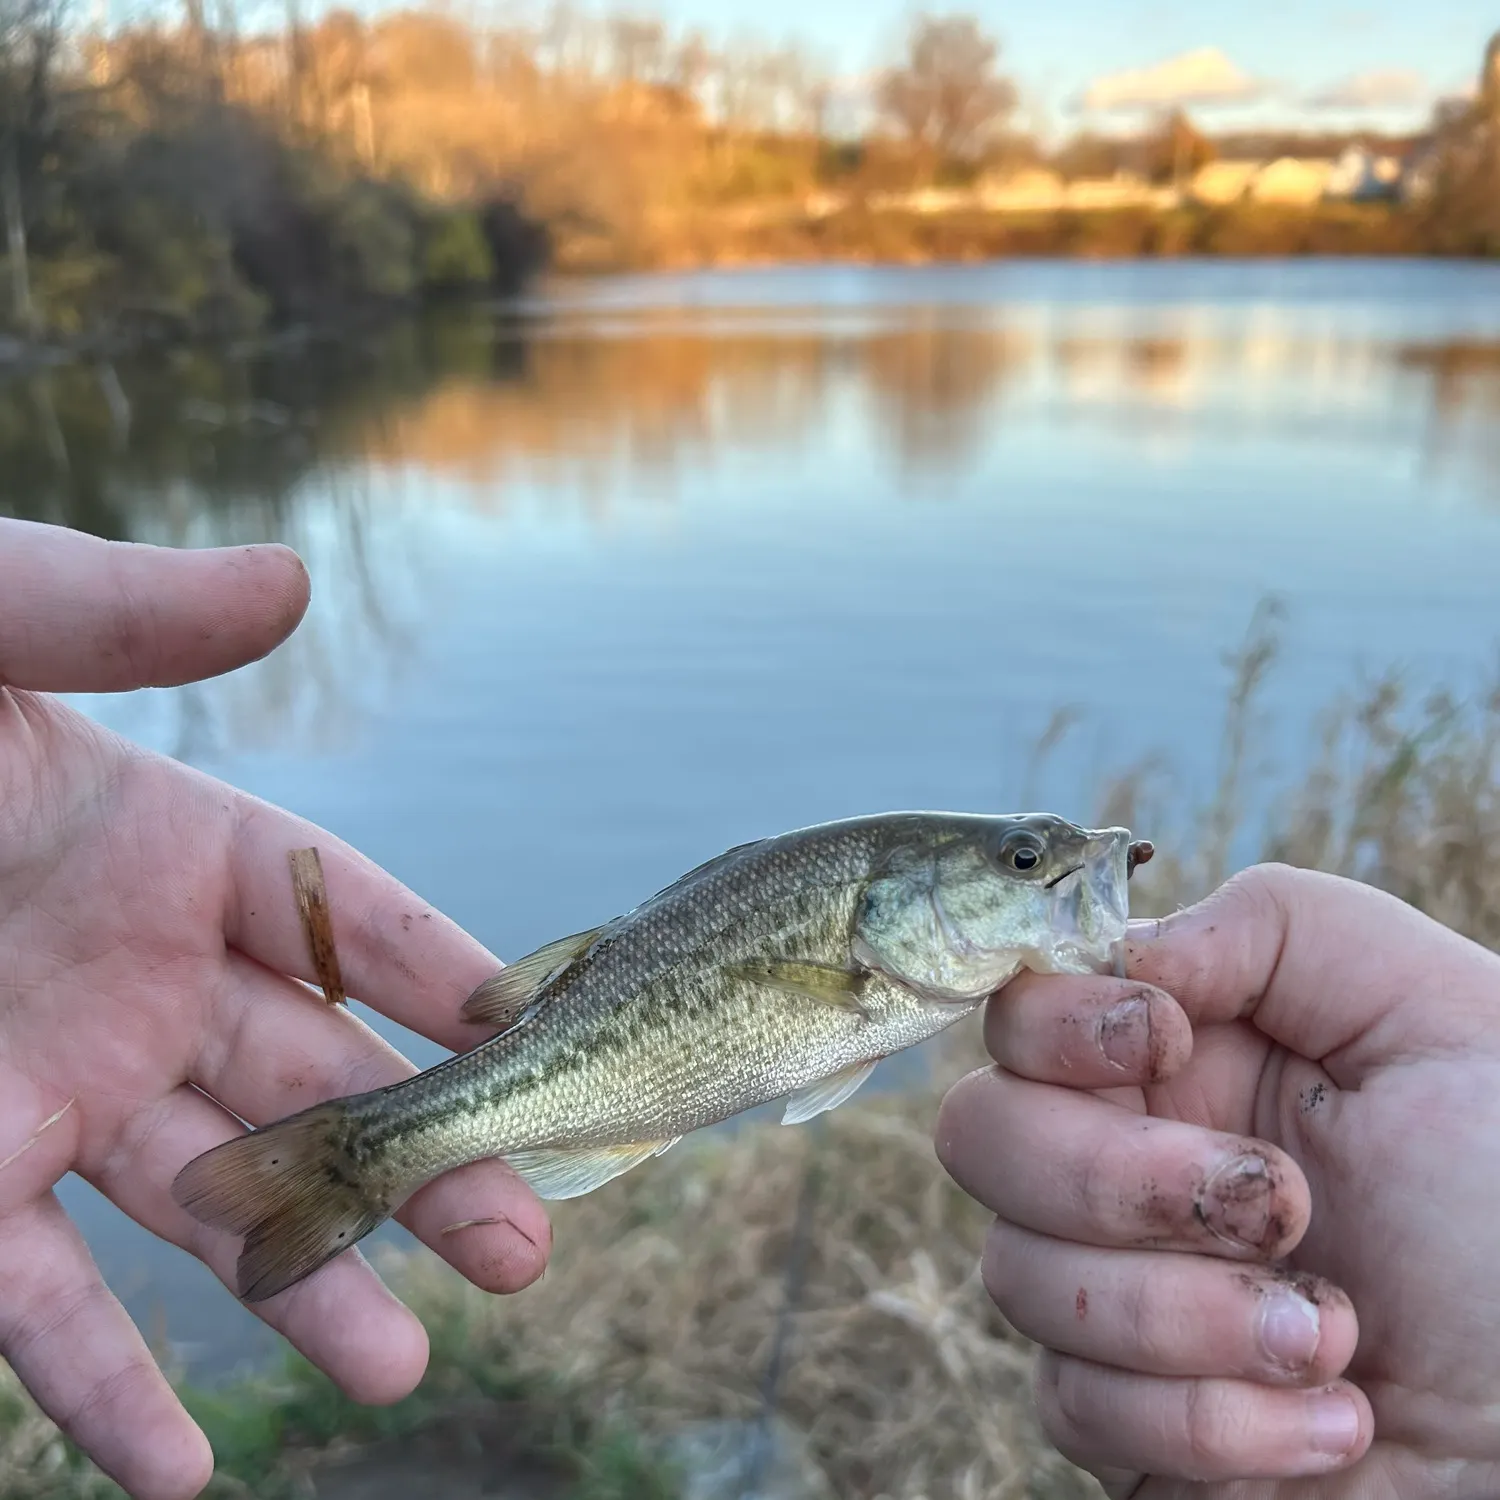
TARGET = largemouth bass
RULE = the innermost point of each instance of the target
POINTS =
(783, 968)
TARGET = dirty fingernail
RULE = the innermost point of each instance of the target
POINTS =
(1289, 1329)
(1235, 1202)
(1332, 1423)
(1143, 929)
(1125, 1033)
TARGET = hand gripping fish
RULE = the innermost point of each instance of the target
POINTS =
(784, 968)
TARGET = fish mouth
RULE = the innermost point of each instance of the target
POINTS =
(1091, 901)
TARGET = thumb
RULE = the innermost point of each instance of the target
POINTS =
(81, 615)
(1335, 970)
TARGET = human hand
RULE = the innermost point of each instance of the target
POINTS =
(147, 936)
(1287, 1117)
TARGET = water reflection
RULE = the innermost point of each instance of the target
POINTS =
(222, 449)
(347, 451)
(1463, 429)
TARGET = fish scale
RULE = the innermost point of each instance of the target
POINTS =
(784, 968)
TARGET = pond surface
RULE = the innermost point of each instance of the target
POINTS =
(611, 580)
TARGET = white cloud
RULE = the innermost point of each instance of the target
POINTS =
(1203, 76)
(1381, 88)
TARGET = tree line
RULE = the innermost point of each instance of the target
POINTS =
(197, 174)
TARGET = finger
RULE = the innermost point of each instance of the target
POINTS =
(1202, 1430)
(1079, 1168)
(395, 952)
(1095, 1032)
(82, 615)
(39, 1132)
(1332, 969)
(1165, 1314)
(85, 1363)
(271, 1048)
(342, 1317)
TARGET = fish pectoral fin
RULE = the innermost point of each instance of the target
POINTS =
(570, 1172)
(502, 998)
(840, 988)
(827, 1093)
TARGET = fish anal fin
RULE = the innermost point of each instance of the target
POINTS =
(570, 1172)
(827, 1093)
(289, 1190)
(840, 988)
(502, 998)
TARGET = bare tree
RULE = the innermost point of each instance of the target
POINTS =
(1489, 81)
(946, 96)
(1464, 208)
(1175, 149)
(638, 49)
(31, 41)
(692, 63)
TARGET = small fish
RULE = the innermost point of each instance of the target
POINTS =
(783, 968)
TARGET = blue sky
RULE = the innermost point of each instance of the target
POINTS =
(1056, 49)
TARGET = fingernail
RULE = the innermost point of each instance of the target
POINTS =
(1289, 1329)
(1332, 1423)
(1235, 1201)
(1143, 929)
(1125, 1033)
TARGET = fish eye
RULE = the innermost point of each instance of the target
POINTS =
(1022, 852)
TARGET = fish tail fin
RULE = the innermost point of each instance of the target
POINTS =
(291, 1189)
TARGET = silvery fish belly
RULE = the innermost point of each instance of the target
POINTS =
(783, 969)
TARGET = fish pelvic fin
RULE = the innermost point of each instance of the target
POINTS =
(840, 988)
(827, 1093)
(570, 1172)
(290, 1190)
(501, 999)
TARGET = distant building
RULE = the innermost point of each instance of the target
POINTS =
(1040, 190)
(1123, 190)
(1301, 181)
(1030, 190)
(1361, 175)
(1221, 182)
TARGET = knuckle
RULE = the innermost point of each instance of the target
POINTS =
(93, 1406)
(1265, 891)
(1102, 1192)
(1066, 1408)
(46, 1315)
(1212, 1423)
(1154, 1326)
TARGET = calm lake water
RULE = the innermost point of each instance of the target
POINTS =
(613, 579)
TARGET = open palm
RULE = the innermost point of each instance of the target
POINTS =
(150, 959)
(1267, 1272)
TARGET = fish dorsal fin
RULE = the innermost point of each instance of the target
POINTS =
(840, 988)
(571, 1172)
(698, 872)
(827, 1093)
(500, 1000)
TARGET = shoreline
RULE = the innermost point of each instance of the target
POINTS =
(850, 238)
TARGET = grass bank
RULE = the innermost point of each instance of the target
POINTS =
(899, 237)
(827, 1274)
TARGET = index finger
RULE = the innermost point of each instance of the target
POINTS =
(396, 953)
(82, 615)
(1330, 968)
